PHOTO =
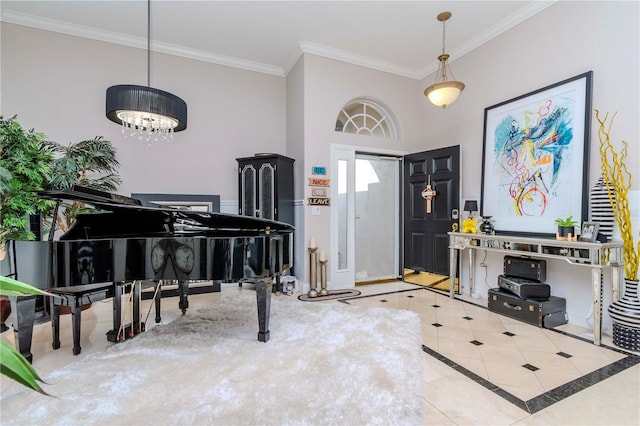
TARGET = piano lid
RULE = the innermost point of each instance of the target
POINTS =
(183, 221)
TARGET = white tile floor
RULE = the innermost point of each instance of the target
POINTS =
(456, 390)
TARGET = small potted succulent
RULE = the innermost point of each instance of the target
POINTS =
(566, 227)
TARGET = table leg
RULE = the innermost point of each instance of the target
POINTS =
(453, 266)
(597, 305)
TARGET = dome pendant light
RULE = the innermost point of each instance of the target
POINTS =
(443, 92)
(145, 112)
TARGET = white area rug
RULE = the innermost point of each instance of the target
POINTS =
(325, 364)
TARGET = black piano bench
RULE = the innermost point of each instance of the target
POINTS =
(74, 297)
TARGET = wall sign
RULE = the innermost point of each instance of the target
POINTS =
(318, 182)
(319, 170)
(315, 201)
(319, 192)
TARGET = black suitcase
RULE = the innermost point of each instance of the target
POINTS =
(525, 267)
(524, 288)
(548, 313)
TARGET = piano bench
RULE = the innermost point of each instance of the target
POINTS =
(74, 297)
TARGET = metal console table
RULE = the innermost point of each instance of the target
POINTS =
(596, 256)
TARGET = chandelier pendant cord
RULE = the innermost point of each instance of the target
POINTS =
(148, 43)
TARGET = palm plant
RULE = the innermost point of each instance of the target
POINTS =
(91, 163)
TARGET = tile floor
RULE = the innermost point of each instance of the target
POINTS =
(514, 373)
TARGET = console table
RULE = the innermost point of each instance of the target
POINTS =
(596, 256)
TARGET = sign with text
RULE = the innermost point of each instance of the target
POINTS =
(319, 192)
(318, 182)
(319, 170)
(315, 201)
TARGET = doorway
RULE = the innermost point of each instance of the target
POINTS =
(377, 218)
(420, 244)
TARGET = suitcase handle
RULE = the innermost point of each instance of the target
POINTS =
(512, 307)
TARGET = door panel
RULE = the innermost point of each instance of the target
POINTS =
(426, 243)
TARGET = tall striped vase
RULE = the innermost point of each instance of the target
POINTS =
(625, 314)
(601, 210)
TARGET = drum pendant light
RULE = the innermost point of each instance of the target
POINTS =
(145, 112)
(443, 92)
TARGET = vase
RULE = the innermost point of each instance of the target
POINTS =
(601, 209)
(486, 227)
(625, 314)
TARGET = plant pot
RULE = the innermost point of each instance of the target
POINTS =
(565, 231)
(625, 314)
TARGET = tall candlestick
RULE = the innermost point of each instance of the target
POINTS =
(313, 271)
(323, 276)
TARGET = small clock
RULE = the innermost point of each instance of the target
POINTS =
(184, 258)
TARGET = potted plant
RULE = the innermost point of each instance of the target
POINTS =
(624, 312)
(25, 169)
(566, 227)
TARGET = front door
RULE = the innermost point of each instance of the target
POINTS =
(435, 174)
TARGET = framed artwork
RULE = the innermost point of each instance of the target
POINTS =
(535, 164)
(589, 231)
(193, 202)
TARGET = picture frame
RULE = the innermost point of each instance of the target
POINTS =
(589, 231)
(193, 202)
(535, 163)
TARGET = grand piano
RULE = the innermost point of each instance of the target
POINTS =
(125, 242)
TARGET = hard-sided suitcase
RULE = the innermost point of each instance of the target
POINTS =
(524, 288)
(542, 313)
(525, 267)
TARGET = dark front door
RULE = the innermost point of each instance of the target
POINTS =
(426, 243)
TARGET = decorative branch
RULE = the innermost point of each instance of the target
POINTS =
(618, 182)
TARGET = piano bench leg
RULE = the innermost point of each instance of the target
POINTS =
(55, 324)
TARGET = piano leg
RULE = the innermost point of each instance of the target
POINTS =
(183, 292)
(24, 312)
(263, 297)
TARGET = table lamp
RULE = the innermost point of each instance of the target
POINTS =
(469, 224)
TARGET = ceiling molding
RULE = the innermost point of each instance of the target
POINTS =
(303, 46)
(496, 30)
(137, 42)
(351, 58)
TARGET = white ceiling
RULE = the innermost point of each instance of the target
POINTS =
(402, 37)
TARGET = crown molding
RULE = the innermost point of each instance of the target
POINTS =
(501, 27)
(137, 42)
(351, 58)
(303, 46)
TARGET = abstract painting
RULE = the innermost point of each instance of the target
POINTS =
(536, 158)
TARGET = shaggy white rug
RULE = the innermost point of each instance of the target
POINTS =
(325, 364)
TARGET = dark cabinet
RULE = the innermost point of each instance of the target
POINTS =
(265, 185)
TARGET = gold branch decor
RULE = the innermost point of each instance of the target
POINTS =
(618, 182)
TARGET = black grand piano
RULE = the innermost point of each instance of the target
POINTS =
(125, 242)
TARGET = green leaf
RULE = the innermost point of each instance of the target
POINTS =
(11, 287)
(16, 367)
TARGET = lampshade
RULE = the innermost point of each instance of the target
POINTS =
(143, 111)
(470, 206)
(443, 91)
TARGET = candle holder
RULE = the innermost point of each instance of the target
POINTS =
(313, 272)
(323, 278)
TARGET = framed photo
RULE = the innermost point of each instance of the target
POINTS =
(589, 231)
(535, 164)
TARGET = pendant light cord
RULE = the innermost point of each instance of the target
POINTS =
(148, 43)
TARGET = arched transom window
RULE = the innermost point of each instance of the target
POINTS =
(364, 117)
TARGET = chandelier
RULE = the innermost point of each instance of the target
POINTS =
(443, 92)
(145, 112)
